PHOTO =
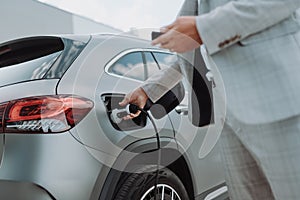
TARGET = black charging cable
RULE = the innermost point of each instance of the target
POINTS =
(133, 109)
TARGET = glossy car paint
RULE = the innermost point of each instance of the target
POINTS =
(75, 164)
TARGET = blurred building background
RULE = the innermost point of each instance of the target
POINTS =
(19, 18)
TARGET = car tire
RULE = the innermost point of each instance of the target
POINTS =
(140, 185)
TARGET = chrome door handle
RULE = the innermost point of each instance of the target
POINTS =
(182, 109)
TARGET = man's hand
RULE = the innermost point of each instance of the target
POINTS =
(137, 97)
(180, 36)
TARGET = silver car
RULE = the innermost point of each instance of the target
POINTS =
(61, 130)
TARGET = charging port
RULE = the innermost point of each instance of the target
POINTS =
(115, 112)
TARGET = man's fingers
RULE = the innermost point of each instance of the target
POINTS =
(157, 41)
(167, 28)
(164, 39)
(124, 102)
(127, 117)
(138, 97)
(168, 45)
(132, 115)
(135, 114)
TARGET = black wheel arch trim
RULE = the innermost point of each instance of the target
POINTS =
(146, 151)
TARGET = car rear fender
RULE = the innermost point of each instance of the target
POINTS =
(146, 154)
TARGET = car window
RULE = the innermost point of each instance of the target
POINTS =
(28, 58)
(131, 65)
(165, 60)
(151, 64)
(36, 58)
(30, 70)
(72, 49)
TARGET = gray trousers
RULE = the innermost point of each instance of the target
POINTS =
(262, 161)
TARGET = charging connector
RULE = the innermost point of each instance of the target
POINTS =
(118, 114)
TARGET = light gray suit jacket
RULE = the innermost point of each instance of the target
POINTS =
(256, 47)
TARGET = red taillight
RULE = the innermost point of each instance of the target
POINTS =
(43, 114)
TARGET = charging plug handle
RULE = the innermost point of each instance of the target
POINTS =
(117, 114)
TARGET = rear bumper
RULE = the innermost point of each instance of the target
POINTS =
(22, 191)
(50, 165)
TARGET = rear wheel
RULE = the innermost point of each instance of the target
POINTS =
(141, 185)
(165, 191)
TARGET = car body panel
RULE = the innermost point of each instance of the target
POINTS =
(76, 164)
(91, 81)
(43, 157)
(56, 162)
(27, 89)
(193, 142)
(22, 190)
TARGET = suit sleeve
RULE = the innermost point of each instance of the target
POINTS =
(236, 20)
(160, 83)
(189, 8)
